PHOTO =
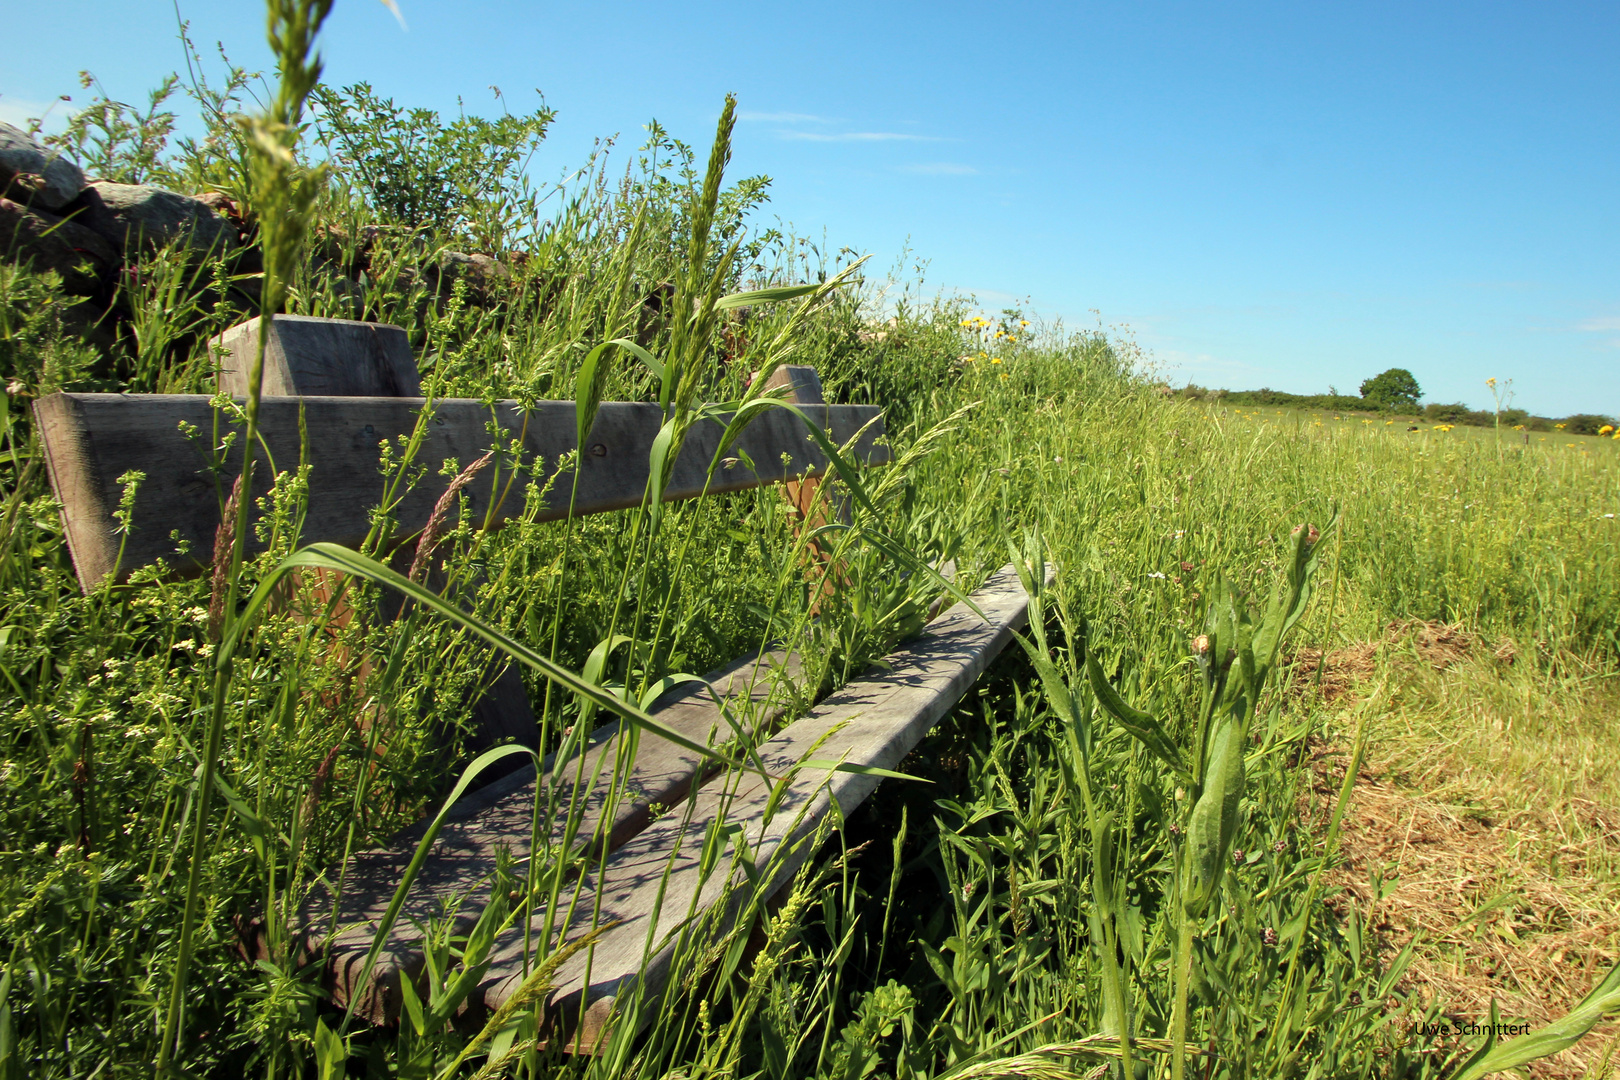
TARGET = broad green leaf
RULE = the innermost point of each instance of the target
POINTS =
(1213, 824)
(863, 770)
(764, 296)
(660, 461)
(588, 393)
(665, 685)
(1146, 729)
(593, 672)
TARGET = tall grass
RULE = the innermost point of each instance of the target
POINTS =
(1061, 896)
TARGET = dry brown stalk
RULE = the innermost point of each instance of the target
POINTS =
(224, 541)
(434, 530)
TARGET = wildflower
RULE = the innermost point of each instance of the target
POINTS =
(1156, 574)
(1604, 430)
(1388, 422)
(1237, 856)
(967, 890)
(1560, 427)
(1280, 846)
(1268, 936)
(1355, 997)
(1004, 375)
(1023, 322)
(1491, 382)
(1200, 645)
(995, 359)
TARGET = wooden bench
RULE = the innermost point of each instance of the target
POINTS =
(655, 872)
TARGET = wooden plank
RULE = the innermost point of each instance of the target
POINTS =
(312, 356)
(92, 440)
(458, 874)
(872, 721)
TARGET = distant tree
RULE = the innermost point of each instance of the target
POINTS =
(1586, 423)
(1396, 388)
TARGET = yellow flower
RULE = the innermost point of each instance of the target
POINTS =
(1605, 429)
(1388, 422)
(1023, 322)
(995, 360)
(1560, 427)
(1491, 382)
(1003, 374)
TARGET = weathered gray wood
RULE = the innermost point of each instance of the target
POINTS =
(343, 358)
(92, 440)
(458, 874)
(323, 357)
(873, 721)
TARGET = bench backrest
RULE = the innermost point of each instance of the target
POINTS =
(92, 441)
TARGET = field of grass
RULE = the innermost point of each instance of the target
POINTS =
(1304, 870)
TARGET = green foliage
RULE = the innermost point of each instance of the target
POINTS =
(416, 171)
(116, 141)
(1396, 388)
(1583, 423)
(37, 354)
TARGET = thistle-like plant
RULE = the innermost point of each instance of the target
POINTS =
(1235, 655)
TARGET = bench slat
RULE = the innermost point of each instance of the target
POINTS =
(757, 690)
(92, 440)
(873, 721)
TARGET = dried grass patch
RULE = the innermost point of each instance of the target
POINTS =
(1508, 887)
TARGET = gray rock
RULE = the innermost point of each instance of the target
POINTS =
(46, 242)
(32, 174)
(139, 218)
(483, 274)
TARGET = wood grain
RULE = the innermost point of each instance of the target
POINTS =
(92, 440)
(311, 356)
(873, 721)
(459, 872)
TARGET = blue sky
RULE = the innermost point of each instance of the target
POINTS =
(1289, 195)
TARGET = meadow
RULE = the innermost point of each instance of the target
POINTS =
(1309, 758)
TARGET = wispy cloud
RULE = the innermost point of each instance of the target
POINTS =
(857, 136)
(1600, 324)
(938, 168)
(781, 118)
